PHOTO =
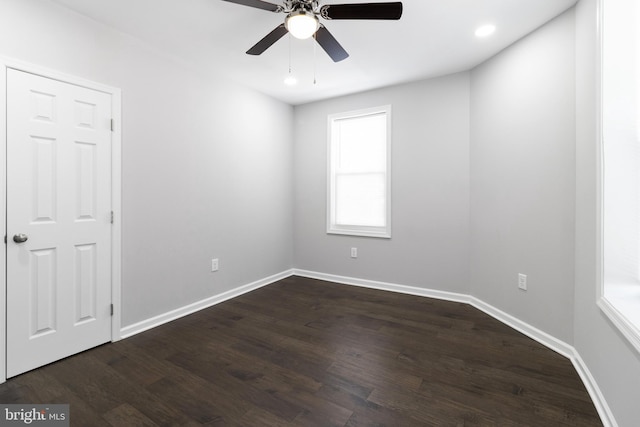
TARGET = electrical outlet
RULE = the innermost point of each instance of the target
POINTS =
(522, 281)
(215, 265)
(354, 252)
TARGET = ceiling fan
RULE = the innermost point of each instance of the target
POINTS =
(302, 21)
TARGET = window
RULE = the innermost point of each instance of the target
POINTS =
(359, 185)
(620, 77)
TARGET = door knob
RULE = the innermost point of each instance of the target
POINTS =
(20, 238)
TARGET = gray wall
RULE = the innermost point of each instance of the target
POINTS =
(206, 163)
(610, 358)
(522, 178)
(430, 188)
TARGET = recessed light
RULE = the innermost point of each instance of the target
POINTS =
(485, 30)
(290, 80)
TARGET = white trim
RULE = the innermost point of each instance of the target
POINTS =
(532, 332)
(599, 157)
(116, 207)
(627, 328)
(357, 230)
(615, 312)
(116, 168)
(56, 75)
(606, 416)
(161, 319)
(587, 378)
(384, 286)
(3, 221)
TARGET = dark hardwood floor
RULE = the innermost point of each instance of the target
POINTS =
(310, 353)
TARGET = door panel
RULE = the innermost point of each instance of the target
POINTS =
(85, 282)
(59, 195)
(42, 288)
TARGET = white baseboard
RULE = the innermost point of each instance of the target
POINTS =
(606, 416)
(542, 337)
(532, 332)
(384, 286)
(560, 347)
(161, 319)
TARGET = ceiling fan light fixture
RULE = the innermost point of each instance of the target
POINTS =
(302, 24)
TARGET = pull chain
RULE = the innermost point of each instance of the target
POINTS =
(315, 39)
(289, 53)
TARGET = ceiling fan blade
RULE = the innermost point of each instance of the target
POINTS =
(258, 4)
(390, 11)
(268, 40)
(330, 44)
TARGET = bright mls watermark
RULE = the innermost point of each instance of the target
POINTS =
(34, 415)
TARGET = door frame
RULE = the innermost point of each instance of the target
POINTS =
(116, 191)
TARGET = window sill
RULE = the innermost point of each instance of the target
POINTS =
(360, 233)
(621, 304)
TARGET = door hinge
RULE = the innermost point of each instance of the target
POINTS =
(112, 309)
(111, 217)
(5, 239)
(113, 125)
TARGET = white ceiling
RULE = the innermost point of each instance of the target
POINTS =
(433, 38)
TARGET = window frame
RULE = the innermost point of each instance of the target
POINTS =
(357, 230)
(618, 301)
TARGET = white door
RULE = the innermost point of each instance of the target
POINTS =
(58, 220)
